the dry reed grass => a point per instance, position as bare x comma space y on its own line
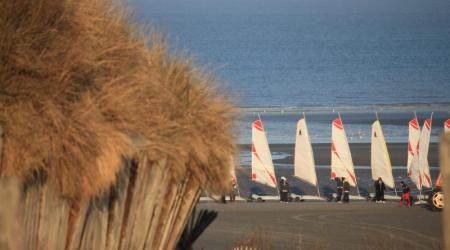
9, 211
257, 240
78, 80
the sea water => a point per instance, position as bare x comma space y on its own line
280, 58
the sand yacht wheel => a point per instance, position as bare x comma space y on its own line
436, 199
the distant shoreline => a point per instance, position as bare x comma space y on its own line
400, 107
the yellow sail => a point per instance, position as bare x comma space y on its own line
379, 158
304, 165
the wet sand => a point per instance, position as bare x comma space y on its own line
323, 225
360, 153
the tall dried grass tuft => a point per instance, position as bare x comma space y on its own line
78, 79
257, 240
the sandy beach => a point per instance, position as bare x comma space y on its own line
323, 225
361, 159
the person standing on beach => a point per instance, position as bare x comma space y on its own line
379, 191
233, 192
346, 185
284, 190
339, 188
406, 196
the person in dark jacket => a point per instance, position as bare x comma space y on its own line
406, 194
379, 190
346, 187
284, 190
339, 187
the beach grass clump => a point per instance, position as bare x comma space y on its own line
79, 81
259, 239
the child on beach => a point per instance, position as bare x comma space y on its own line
406, 198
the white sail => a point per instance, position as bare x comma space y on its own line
379, 158
413, 140
424, 144
304, 166
262, 165
341, 158
447, 126
415, 173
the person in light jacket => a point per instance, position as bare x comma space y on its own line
284, 190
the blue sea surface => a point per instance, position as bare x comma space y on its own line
279, 58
